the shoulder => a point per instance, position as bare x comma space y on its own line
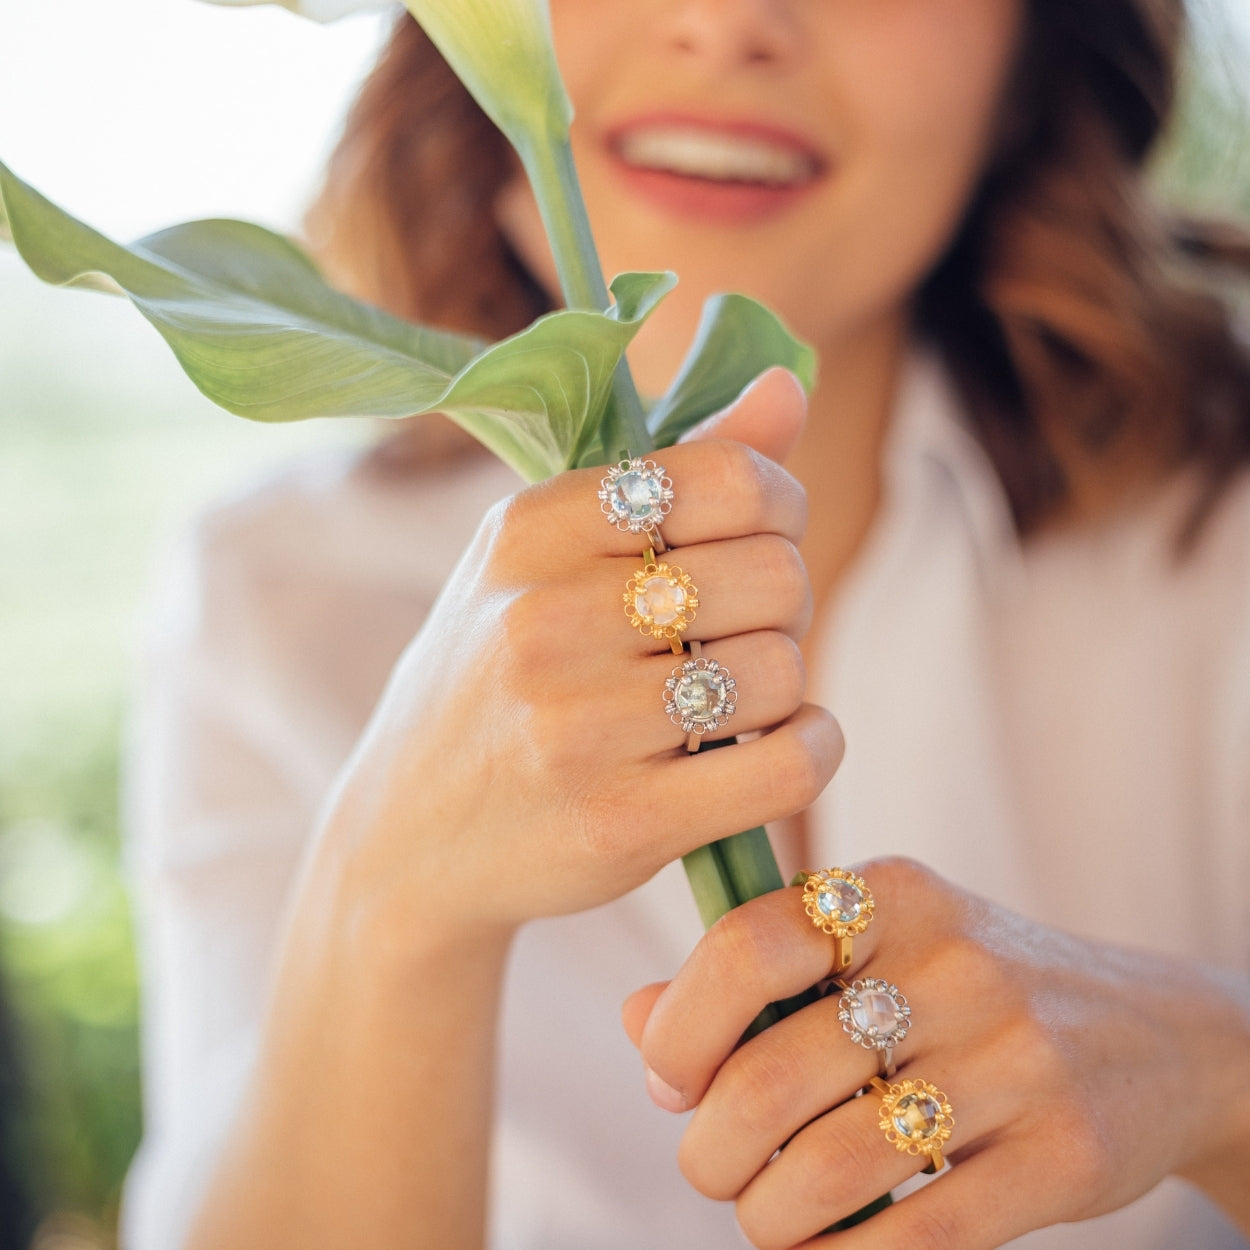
346, 515
323, 562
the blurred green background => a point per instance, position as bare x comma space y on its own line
106, 452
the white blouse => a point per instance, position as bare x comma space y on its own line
1064, 727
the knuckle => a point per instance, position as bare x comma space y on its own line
1035, 1053
524, 635
786, 672
733, 470
935, 1226
696, 1165
1081, 1151
796, 777
779, 566
763, 1093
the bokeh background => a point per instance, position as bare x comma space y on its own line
134, 114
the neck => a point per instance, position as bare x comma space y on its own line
838, 457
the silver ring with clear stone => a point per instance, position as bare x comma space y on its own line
636, 496
876, 1016
700, 696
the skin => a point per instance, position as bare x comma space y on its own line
898, 97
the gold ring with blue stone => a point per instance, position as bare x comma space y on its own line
916, 1118
841, 905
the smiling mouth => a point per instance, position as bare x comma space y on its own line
719, 156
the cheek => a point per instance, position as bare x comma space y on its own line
926, 115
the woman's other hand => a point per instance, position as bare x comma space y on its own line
1079, 1074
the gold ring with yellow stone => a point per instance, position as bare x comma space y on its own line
841, 905
916, 1118
660, 601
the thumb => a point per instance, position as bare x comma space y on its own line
768, 415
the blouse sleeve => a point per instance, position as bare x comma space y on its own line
271, 638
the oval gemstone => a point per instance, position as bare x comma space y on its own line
916, 1116
873, 1012
700, 696
840, 901
635, 496
660, 600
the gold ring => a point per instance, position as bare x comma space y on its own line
660, 600
916, 1118
841, 905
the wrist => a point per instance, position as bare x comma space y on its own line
1219, 1161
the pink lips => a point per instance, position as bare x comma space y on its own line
724, 172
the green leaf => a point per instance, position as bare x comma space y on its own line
738, 338
261, 333
540, 395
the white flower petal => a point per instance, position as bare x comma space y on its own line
318, 10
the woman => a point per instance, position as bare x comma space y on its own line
1008, 547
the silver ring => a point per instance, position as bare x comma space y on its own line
636, 495
700, 696
876, 1016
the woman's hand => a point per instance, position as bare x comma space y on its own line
1079, 1074
521, 762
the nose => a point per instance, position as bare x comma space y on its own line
729, 34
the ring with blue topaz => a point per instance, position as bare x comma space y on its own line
660, 601
916, 1118
636, 496
841, 905
876, 1016
700, 696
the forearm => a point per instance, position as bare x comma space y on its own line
368, 1120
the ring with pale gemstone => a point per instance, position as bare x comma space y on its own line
699, 696
841, 905
660, 601
636, 496
876, 1016
915, 1118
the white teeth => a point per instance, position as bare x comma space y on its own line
715, 155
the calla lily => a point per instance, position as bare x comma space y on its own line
318, 10
501, 50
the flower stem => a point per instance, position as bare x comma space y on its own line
553, 176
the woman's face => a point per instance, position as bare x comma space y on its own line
815, 154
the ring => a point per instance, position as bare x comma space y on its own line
636, 496
839, 904
660, 600
699, 696
876, 1016
916, 1118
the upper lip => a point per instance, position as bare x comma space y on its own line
730, 148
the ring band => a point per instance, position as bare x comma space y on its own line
841, 905
916, 1119
660, 601
699, 696
876, 1016
636, 496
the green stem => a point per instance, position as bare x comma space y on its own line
553, 176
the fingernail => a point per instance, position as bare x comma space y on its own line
664, 1095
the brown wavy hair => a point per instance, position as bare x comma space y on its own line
1080, 322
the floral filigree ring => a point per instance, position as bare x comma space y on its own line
840, 904
700, 696
915, 1118
660, 601
876, 1016
636, 495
